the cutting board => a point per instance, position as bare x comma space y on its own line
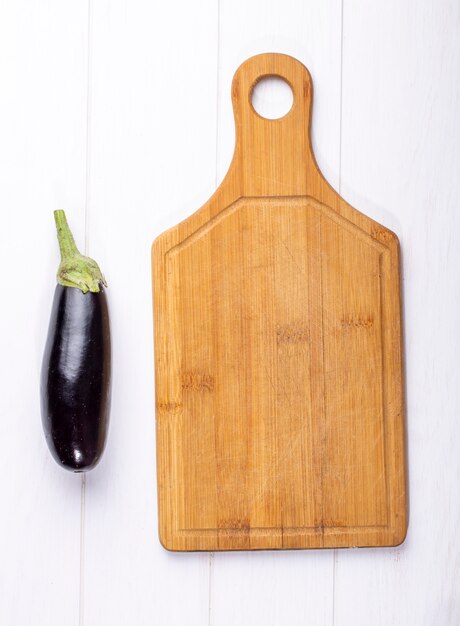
278, 360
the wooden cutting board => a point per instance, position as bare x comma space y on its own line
279, 396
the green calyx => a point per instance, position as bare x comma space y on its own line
75, 270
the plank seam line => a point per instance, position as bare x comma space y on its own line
88, 126
211, 554
335, 554
81, 593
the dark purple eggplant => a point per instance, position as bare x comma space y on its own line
76, 370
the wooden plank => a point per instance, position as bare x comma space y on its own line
266, 587
400, 158
43, 66
152, 160
272, 588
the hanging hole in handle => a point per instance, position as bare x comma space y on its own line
272, 97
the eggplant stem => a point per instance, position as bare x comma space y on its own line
75, 269
66, 241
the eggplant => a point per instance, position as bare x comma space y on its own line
76, 370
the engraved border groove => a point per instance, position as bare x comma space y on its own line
382, 248
287, 201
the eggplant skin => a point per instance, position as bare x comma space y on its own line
76, 378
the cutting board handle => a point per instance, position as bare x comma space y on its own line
264, 146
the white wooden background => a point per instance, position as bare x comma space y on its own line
119, 112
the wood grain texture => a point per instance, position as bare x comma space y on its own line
278, 352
